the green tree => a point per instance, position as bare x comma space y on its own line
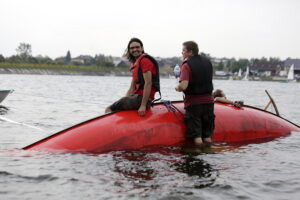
264, 59
274, 59
32, 59
243, 63
24, 51
68, 57
205, 54
44, 60
175, 60
14, 59
236, 65
2, 59
104, 61
219, 66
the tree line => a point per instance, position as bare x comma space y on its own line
24, 55
233, 65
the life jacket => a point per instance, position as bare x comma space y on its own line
137, 74
202, 72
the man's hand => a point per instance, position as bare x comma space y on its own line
182, 86
142, 110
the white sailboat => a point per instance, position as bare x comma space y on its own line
291, 77
240, 73
246, 77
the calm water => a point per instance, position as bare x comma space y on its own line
43, 105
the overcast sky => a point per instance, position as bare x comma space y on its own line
222, 28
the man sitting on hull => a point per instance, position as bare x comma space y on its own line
144, 83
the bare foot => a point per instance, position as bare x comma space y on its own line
207, 141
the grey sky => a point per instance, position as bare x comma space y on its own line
229, 28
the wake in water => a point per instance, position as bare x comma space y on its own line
3, 110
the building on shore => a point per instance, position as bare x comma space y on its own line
296, 62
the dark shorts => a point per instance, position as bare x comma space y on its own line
132, 102
200, 121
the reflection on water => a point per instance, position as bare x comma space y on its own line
134, 165
142, 167
204, 175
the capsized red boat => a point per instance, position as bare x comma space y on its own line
163, 126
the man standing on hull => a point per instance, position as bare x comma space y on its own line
144, 83
196, 83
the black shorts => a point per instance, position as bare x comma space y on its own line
132, 102
200, 121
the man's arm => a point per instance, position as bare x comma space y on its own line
131, 88
182, 86
222, 100
184, 78
146, 93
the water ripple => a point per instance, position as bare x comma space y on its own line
267, 170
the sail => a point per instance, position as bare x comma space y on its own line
291, 73
246, 78
240, 73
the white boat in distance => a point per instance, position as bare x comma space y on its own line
246, 77
291, 76
4, 93
240, 73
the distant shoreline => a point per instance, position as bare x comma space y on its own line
70, 70
62, 72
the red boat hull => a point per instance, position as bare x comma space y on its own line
162, 127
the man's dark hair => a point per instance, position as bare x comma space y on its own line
217, 93
127, 53
192, 46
